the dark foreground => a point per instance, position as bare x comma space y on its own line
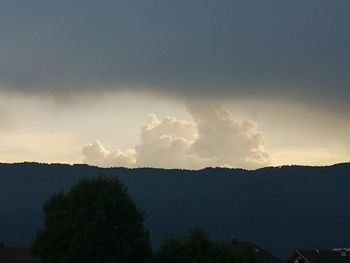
280, 209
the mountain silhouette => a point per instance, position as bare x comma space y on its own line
279, 208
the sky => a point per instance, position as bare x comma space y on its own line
175, 84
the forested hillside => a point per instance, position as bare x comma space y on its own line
280, 209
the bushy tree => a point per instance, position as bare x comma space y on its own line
197, 248
96, 221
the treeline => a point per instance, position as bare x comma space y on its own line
97, 221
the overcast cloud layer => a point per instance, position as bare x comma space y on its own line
283, 64
213, 139
262, 49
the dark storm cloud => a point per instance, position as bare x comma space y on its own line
185, 48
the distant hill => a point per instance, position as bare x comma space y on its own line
279, 209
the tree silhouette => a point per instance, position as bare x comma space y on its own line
199, 248
96, 221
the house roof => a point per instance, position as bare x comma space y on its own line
17, 255
322, 256
260, 255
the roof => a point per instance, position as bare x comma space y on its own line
260, 255
17, 255
322, 256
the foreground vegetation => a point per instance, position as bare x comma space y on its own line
97, 221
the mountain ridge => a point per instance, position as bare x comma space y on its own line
279, 208
177, 169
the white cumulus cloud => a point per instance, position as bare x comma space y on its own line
95, 153
213, 138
